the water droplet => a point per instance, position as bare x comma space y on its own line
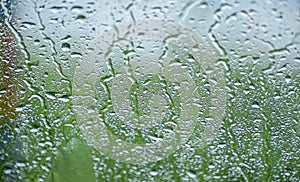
153, 173
65, 47
191, 174
76, 55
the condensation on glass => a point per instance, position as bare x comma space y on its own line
173, 90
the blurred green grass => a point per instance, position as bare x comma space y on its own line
258, 141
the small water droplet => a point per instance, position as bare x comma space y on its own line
255, 105
76, 8
191, 174
80, 18
76, 55
65, 47
211, 166
57, 9
153, 173
203, 5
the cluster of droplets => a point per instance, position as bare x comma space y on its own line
256, 44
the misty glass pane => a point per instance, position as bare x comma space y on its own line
120, 90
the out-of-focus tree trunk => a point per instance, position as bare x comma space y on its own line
8, 78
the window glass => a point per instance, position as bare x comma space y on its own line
120, 90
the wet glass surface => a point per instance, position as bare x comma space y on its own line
149, 90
